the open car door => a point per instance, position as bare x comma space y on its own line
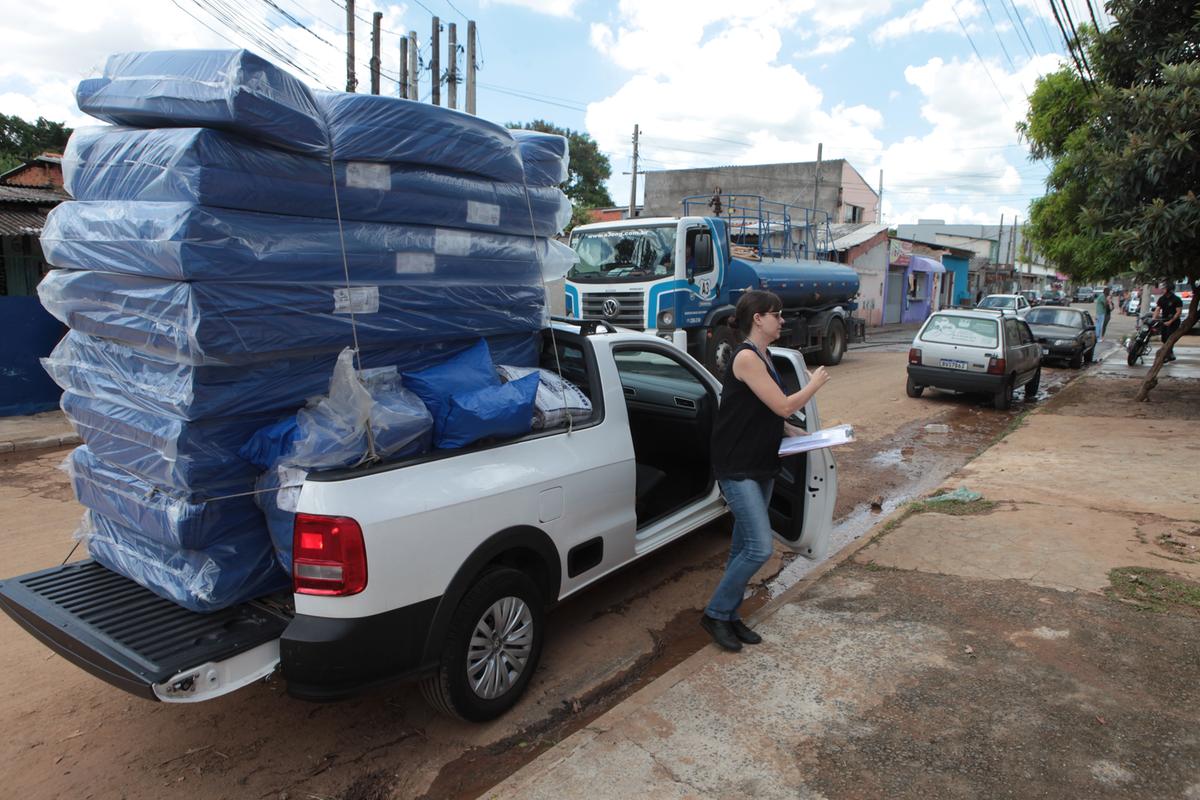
806, 488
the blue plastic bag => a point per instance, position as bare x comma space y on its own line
492, 411
469, 370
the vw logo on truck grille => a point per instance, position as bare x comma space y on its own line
610, 308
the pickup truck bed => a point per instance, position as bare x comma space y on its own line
127, 635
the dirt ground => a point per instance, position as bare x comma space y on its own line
71, 735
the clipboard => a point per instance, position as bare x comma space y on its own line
829, 437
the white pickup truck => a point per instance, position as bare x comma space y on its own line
443, 567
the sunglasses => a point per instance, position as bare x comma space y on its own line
776, 314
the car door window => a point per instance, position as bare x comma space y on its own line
1026, 334
1012, 334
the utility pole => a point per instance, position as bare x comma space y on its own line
404, 67
633, 177
452, 74
413, 82
879, 209
351, 83
376, 20
470, 66
435, 71
817, 182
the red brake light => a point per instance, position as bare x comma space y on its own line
995, 366
328, 556
914, 355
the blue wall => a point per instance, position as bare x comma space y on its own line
958, 266
29, 333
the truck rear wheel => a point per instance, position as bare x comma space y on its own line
720, 349
833, 346
492, 648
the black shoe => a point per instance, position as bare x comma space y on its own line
721, 632
744, 633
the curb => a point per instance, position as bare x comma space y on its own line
41, 443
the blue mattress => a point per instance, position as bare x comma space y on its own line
183, 241
232, 90
240, 568
115, 372
220, 322
213, 168
545, 157
178, 520
198, 457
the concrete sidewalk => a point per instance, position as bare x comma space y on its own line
1040, 643
36, 432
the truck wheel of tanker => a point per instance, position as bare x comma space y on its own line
720, 349
492, 648
833, 346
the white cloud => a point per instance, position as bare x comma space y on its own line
828, 46
553, 8
932, 15
41, 64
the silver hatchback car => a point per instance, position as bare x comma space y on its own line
979, 351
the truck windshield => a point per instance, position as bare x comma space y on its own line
624, 254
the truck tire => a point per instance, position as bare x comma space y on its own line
492, 648
833, 346
720, 349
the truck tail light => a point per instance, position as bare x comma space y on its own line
914, 355
996, 366
328, 556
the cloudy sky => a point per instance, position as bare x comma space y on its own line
928, 91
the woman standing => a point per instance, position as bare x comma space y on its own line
745, 456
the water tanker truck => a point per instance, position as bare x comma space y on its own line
679, 278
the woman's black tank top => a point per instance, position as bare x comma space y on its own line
745, 440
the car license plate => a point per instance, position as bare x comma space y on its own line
1045, 351
951, 363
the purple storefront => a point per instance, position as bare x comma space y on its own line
911, 286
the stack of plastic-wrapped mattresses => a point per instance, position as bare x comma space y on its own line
228, 239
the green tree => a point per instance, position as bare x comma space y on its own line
21, 140
1124, 144
589, 169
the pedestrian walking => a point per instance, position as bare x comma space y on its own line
1102, 306
745, 456
1169, 308
1108, 302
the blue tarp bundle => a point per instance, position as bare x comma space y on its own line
214, 263
117, 372
213, 168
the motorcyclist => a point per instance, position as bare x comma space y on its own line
1168, 309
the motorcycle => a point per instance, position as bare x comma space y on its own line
1138, 345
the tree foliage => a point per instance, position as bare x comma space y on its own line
1124, 143
589, 169
21, 140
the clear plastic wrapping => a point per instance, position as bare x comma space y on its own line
219, 322
232, 90
218, 169
234, 570
178, 520
116, 372
545, 157
183, 241
558, 400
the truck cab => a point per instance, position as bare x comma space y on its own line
679, 278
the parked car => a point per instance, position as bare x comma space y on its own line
1084, 294
441, 567
1065, 334
1033, 296
981, 351
1010, 304
1054, 297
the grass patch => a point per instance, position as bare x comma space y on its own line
1153, 590
955, 508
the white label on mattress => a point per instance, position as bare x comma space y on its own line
482, 213
365, 175
356, 300
415, 263
452, 243
376, 373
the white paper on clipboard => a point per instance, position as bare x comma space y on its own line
830, 437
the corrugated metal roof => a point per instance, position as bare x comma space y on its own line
22, 194
20, 223
848, 235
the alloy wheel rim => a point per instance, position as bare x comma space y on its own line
500, 647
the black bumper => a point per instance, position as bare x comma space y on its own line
956, 380
325, 658
1064, 352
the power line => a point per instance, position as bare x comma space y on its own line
996, 30
1014, 18
982, 63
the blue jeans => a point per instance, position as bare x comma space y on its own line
1100, 325
752, 544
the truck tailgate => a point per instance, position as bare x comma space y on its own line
127, 635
